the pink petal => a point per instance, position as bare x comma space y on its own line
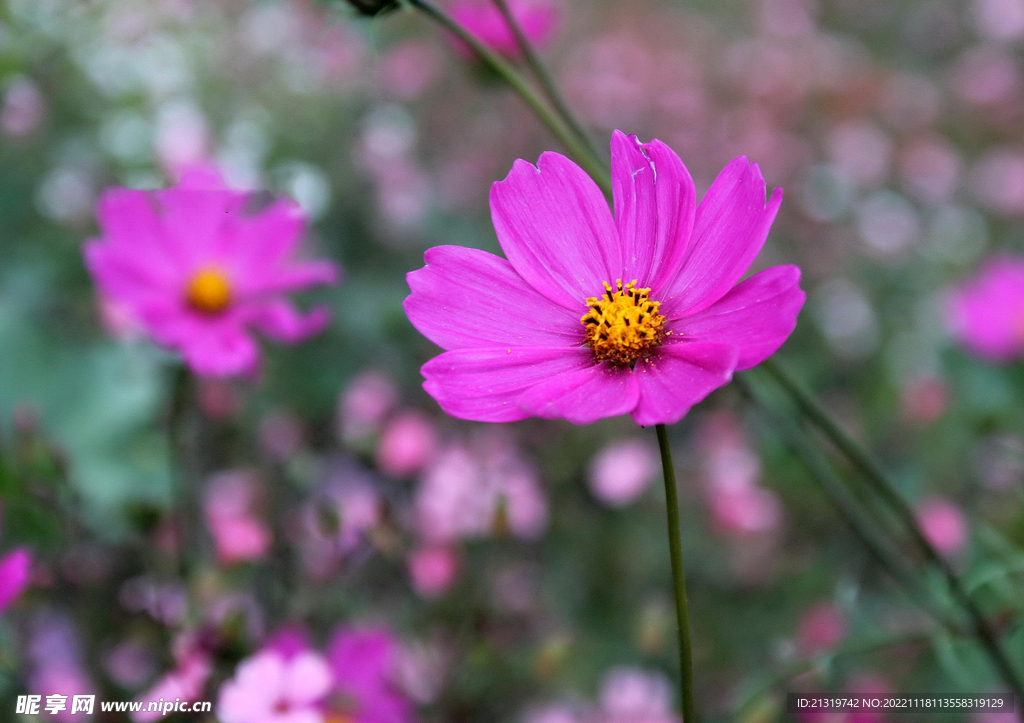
130, 276
731, 225
307, 678
484, 385
129, 220
756, 317
15, 572
465, 298
266, 239
679, 376
200, 221
282, 322
220, 351
556, 229
294, 277
583, 396
655, 203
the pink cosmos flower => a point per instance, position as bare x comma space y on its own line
268, 688
15, 572
987, 313
364, 664
622, 471
537, 18
200, 271
943, 524
593, 316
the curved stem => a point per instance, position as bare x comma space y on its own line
879, 481
547, 82
507, 73
675, 546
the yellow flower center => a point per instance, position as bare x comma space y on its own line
624, 324
209, 291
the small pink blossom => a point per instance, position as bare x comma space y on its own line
267, 688
433, 569
622, 471
22, 109
537, 18
943, 524
408, 443
15, 574
745, 510
239, 535
631, 695
201, 272
594, 315
821, 628
185, 682
364, 404
986, 314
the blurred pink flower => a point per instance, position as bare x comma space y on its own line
409, 69
924, 399
408, 443
267, 688
556, 332
200, 273
433, 569
364, 665
745, 510
537, 18
1000, 19
821, 628
229, 504
622, 471
474, 491
943, 524
986, 313
186, 682
22, 110
631, 695
997, 180
15, 574
365, 403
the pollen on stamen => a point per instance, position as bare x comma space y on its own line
209, 291
623, 325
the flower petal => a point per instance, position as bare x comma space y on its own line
200, 221
756, 317
655, 203
484, 385
220, 350
129, 220
293, 277
730, 227
465, 298
307, 678
679, 376
15, 572
585, 395
556, 229
282, 322
267, 238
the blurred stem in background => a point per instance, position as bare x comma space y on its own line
675, 547
579, 147
547, 82
185, 511
884, 488
576, 145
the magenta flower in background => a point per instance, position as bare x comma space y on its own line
15, 573
364, 664
986, 314
537, 18
944, 524
593, 316
201, 272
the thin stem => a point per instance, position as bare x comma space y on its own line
507, 73
547, 82
880, 483
857, 647
180, 469
675, 546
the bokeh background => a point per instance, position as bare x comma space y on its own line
521, 571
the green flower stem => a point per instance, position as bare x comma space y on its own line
185, 506
547, 81
871, 535
880, 483
577, 147
858, 647
675, 546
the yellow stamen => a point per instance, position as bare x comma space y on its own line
209, 291
624, 324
